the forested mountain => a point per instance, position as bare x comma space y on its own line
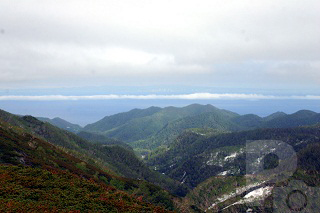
153, 127
121, 161
38, 176
198, 153
300, 118
216, 119
141, 124
274, 115
113, 121
101, 139
201, 157
62, 124
214, 165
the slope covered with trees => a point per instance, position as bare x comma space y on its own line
145, 123
148, 129
117, 159
27, 189
215, 165
201, 157
62, 124
46, 177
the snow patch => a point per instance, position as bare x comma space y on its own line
213, 160
237, 192
255, 195
224, 173
233, 155
184, 177
172, 165
258, 193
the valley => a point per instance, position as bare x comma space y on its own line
189, 159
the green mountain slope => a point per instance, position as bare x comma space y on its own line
48, 178
62, 124
226, 121
274, 115
230, 193
120, 160
27, 189
146, 124
99, 138
113, 121
194, 158
247, 121
300, 118
214, 166
217, 119
148, 129
195, 147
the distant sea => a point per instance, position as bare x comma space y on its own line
83, 112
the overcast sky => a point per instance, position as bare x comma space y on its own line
270, 44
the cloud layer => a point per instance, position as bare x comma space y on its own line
57, 43
193, 96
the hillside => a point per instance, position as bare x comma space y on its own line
233, 194
216, 119
119, 160
194, 158
62, 124
274, 115
113, 121
214, 166
148, 129
101, 139
45, 174
145, 123
199, 155
300, 118
27, 189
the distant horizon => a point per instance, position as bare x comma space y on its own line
190, 96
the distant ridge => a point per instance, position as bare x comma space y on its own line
299, 118
153, 127
274, 115
140, 124
63, 124
112, 121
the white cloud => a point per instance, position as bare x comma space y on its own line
85, 42
193, 96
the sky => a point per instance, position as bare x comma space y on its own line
191, 51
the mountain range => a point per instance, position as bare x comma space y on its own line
153, 127
63, 124
193, 160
